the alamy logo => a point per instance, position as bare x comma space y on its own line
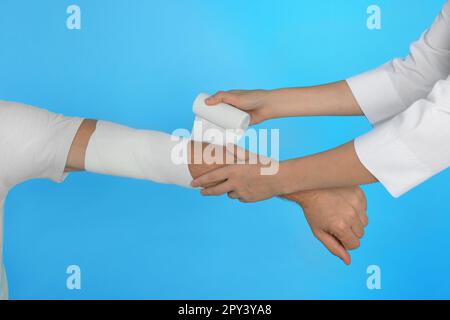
215, 153
73, 22
374, 19
374, 279
73, 281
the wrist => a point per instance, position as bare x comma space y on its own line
304, 199
272, 102
287, 102
289, 178
267, 105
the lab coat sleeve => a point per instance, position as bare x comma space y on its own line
408, 149
388, 90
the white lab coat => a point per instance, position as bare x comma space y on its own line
408, 102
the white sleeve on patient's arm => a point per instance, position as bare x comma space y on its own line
388, 90
413, 146
34, 143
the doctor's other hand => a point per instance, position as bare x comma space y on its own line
250, 178
337, 217
255, 102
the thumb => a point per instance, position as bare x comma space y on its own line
334, 246
222, 97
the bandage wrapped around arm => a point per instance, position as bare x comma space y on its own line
141, 154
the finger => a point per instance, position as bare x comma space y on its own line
361, 211
349, 240
218, 190
233, 195
211, 177
362, 206
357, 200
344, 233
363, 198
364, 218
358, 227
221, 97
213, 184
334, 246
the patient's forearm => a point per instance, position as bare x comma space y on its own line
329, 99
197, 164
76, 160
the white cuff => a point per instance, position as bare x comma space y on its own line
376, 94
384, 154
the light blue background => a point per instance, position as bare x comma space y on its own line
141, 63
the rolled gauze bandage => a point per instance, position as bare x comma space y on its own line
141, 154
219, 124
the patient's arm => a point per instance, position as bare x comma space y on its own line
337, 217
77, 153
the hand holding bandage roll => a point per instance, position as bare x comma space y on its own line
219, 124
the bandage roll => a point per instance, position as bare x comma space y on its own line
220, 124
141, 154
222, 115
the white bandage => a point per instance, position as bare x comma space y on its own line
220, 124
121, 151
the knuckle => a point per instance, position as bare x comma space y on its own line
244, 196
355, 202
366, 220
219, 94
356, 245
359, 193
340, 227
351, 213
316, 233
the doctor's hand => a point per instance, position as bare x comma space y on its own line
337, 217
251, 178
254, 102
